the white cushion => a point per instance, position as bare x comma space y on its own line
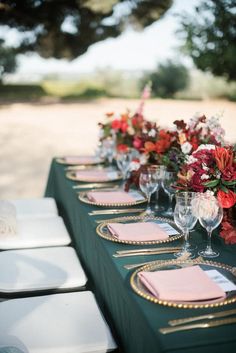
36, 233
40, 269
58, 323
42, 207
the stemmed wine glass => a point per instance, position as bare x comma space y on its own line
168, 182
123, 160
210, 215
160, 170
185, 218
109, 146
148, 182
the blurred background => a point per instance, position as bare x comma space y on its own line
65, 64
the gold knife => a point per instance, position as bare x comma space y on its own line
115, 211
209, 316
148, 250
157, 252
92, 185
208, 324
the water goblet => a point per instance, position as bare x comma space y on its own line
160, 170
109, 145
123, 160
168, 186
210, 215
185, 218
148, 182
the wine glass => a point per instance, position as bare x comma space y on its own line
123, 160
160, 170
109, 145
148, 182
168, 182
185, 218
210, 215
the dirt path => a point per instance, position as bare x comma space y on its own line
31, 134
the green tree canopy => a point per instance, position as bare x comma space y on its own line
168, 79
7, 60
210, 37
66, 28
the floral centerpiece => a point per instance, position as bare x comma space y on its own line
172, 147
213, 168
126, 128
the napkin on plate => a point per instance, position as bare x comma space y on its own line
96, 175
80, 159
110, 197
187, 284
8, 223
138, 231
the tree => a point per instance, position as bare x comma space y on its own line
210, 37
168, 79
66, 28
7, 60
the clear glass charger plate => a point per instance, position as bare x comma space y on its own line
84, 198
93, 161
103, 231
226, 270
72, 176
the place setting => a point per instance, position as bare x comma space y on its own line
80, 160
95, 175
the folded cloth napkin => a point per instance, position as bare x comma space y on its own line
8, 223
81, 159
110, 197
187, 284
96, 175
138, 231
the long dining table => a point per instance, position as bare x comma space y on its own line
134, 321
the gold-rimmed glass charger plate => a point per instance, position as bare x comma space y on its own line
225, 270
79, 160
83, 196
112, 176
103, 230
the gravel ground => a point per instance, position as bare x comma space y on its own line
32, 134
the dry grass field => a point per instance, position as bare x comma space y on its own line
32, 134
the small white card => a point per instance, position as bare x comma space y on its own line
168, 228
136, 195
221, 280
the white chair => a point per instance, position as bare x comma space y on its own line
36, 233
40, 269
41, 207
65, 323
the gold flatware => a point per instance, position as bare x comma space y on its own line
208, 324
148, 250
209, 316
146, 253
93, 185
132, 266
115, 211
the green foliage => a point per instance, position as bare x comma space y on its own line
210, 37
66, 28
21, 92
7, 60
168, 79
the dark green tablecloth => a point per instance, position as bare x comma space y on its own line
134, 320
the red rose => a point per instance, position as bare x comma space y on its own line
122, 147
149, 147
124, 126
116, 124
137, 143
228, 233
226, 199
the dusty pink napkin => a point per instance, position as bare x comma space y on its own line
110, 197
139, 231
80, 159
95, 175
186, 284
